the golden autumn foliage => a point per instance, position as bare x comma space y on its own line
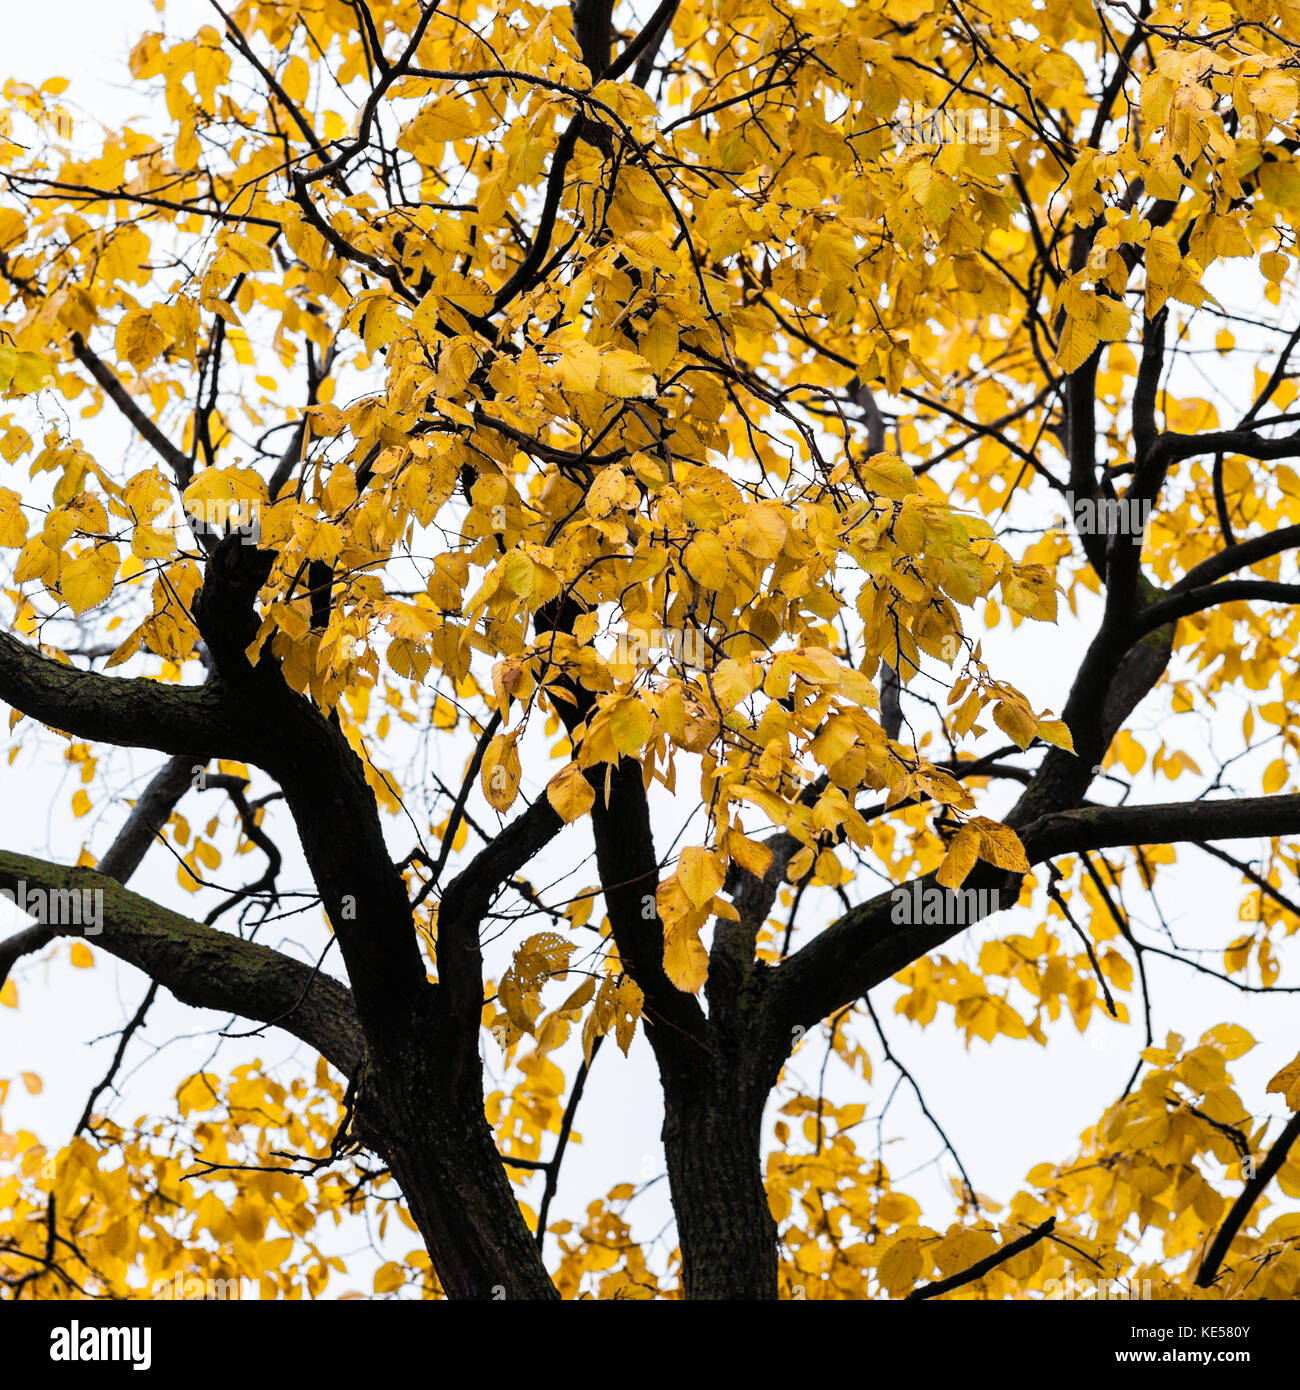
664, 412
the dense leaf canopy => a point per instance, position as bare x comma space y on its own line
661, 410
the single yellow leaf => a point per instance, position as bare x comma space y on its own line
686, 962
13, 524
900, 1267
630, 724
570, 794
700, 873
88, 580
500, 772
960, 859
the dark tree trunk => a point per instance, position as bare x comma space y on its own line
714, 1097
440, 1148
712, 1139
456, 1189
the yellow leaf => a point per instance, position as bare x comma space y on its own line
1000, 845
765, 533
529, 579
221, 494
1231, 1039
686, 962
1130, 752
1015, 721
630, 724
22, 372
1287, 1084
247, 254
82, 956
800, 864
500, 772
208, 855
627, 1004
202, 1091
296, 80
140, 338
701, 874
35, 561
88, 580
900, 1266
570, 794
1078, 342
439, 121
752, 856
889, 476
1054, 731
961, 857
579, 366
13, 524
706, 561
626, 374
613, 491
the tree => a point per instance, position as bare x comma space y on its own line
619, 398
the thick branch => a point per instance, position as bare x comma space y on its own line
646, 45
192, 721
1239, 557
629, 871
1172, 447
1100, 827
591, 25
203, 967
866, 946
1191, 601
325, 785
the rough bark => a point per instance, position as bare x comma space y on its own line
206, 968
442, 1152
712, 1138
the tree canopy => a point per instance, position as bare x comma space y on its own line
644, 417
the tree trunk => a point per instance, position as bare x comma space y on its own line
712, 1129
441, 1150
456, 1189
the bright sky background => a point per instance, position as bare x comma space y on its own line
1007, 1106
